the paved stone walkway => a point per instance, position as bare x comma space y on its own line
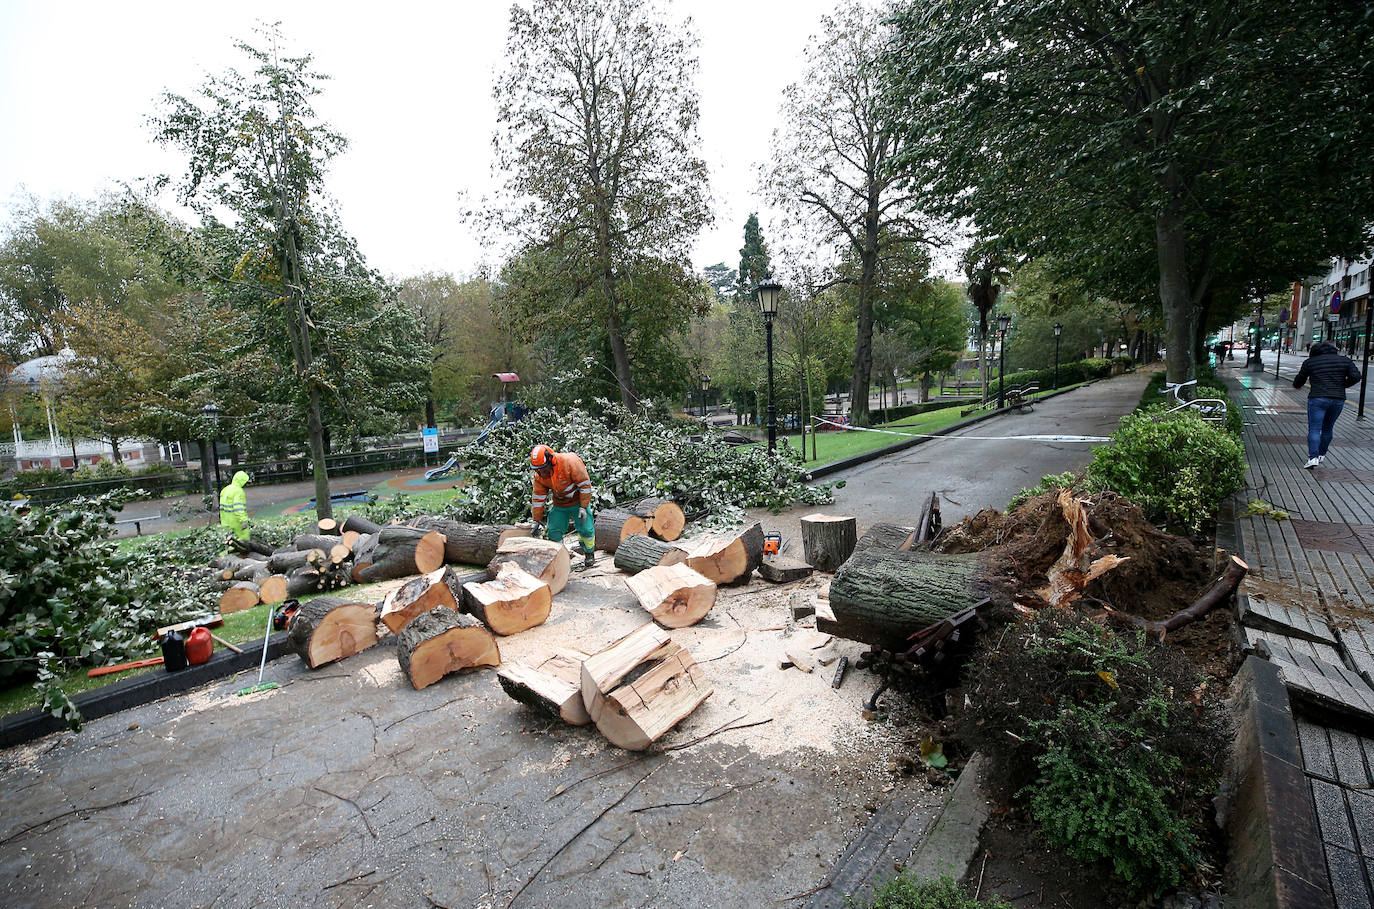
1308, 606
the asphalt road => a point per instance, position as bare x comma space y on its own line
344, 787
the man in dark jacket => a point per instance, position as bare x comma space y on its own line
1331, 374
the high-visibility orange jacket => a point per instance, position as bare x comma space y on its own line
567, 486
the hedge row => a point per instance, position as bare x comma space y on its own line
1069, 373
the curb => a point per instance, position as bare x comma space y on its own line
826, 470
28, 725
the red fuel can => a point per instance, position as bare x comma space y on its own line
199, 646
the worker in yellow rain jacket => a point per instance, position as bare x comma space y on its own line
563, 490
233, 506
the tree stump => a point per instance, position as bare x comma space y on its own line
827, 540
441, 641
512, 602
640, 551
663, 518
243, 595
675, 595
400, 552
886, 536
613, 526
634, 715
725, 559
782, 570
362, 525
327, 629
548, 561
468, 544
416, 597
551, 685
883, 596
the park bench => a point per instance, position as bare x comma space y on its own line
1020, 398
138, 522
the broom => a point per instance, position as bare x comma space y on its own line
260, 686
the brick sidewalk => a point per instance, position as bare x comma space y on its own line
1308, 607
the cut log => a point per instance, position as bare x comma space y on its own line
287, 562
350, 539
548, 561
327, 526
469, 544
886, 536
339, 553
666, 687
303, 581
363, 552
827, 540
233, 564
551, 685
320, 541
441, 641
252, 571
512, 602
782, 570
640, 551
613, 526
250, 547
326, 629
663, 518
243, 595
883, 596
361, 524
272, 589
401, 552
416, 597
726, 560
675, 595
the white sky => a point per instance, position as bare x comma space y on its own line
411, 91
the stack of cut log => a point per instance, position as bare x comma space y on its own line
676, 582
658, 518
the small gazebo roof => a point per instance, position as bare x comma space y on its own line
507, 377
42, 372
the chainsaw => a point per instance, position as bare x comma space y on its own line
772, 543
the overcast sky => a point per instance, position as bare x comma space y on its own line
411, 90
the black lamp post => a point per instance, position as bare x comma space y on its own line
705, 384
1058, 330
211, 413
1003, 323
769, 291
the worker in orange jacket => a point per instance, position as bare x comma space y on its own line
563, 491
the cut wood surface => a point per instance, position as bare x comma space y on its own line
883, 596
727, 560
327, 526
339, 553
613, 526
546, 560
827, 540
634, 715
401, 552
350, 538
416, 597
327, 629
664, 519
675, 595
469, 544
361, 524
886, 536
243, 595
551, 684
441, 641
782, 570
272, 589
640, 551
513, 601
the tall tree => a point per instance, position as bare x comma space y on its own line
1212, 145
598, 116
833, 166
257, 148
754, 261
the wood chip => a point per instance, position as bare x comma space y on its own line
801, 659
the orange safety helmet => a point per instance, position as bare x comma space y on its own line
541, 456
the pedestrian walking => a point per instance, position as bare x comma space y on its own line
1331, 374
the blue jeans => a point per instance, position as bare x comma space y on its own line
1321, 420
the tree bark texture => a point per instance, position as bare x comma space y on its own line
327, 629
400, 552
323, 542
613, 526
546, 560
287, 562
361, 524
886, 536
827, 540
468, 544
1175, 294
640, 551
441, 641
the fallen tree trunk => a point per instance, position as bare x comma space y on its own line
468, 544
243, 595
416, 597
548, 561
827, 540
634, 715
512, 602
441, 641
327, 629
551, 685
613, 526
400, 552
640, 551
249, 547
675, 595
883, 596
724, 559
230, 565
886, 536
323, 542
360, 524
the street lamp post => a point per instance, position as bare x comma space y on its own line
1058, 330
769, 291
1003, 323
705, 384
211, 413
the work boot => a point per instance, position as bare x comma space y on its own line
588, 556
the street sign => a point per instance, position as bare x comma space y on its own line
1336, 302
430, 436
1283, 314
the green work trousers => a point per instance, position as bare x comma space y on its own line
560, 517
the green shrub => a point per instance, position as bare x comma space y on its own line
1096, 367
1178, 469
906, 892
22, 482
1095, 731
1048, 482
102, 470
